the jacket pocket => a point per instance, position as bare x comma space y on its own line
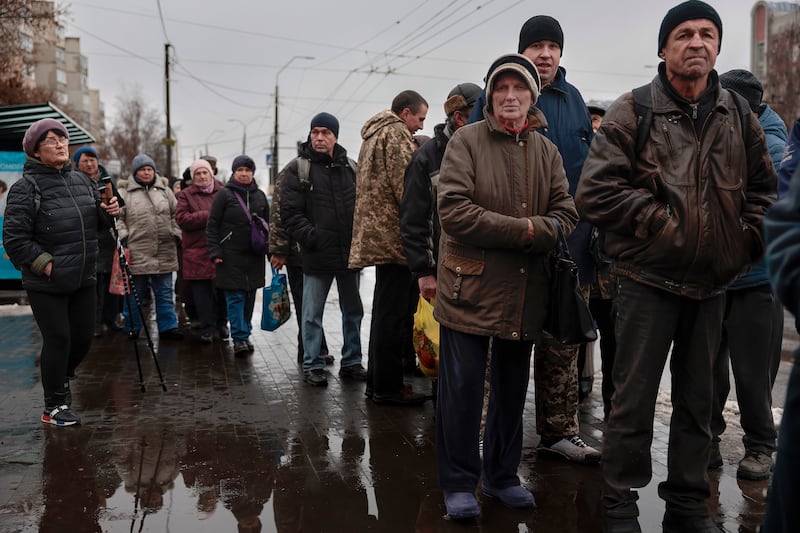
460, 279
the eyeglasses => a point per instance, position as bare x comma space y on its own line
52, 142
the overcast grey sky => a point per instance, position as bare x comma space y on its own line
366, 51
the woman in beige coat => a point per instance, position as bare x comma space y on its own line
147, 227
502, 194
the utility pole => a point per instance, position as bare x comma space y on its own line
168, 140
274, 172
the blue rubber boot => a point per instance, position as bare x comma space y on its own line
461, 505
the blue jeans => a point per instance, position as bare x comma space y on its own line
162, 293
240, 313
315, 292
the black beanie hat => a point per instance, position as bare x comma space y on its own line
326, 120
243, 161
743, 82
693, 9
540, 28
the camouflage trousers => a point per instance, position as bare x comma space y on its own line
555, 378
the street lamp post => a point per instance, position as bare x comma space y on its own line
275, 143
209, 137
244, 133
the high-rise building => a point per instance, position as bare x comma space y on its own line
775, 55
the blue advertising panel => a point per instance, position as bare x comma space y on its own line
11, 164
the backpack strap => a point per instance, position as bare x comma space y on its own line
37, 194
303, 172
744, 115
643, 107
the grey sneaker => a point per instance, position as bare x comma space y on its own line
755, 466
573, 449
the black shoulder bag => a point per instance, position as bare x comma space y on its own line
568, 320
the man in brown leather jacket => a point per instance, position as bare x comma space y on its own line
682, 219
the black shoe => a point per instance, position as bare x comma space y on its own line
207, 337
316, 378
621, 525
354, 372
223, 332
250, 346
688, 524
171, 334
133, 335
98, 331
113, 327
328, 358
240, 347
403, 397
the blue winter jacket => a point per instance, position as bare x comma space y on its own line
570, 129
776, 135
789, 161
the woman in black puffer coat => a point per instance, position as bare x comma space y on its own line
240, 270
50, 234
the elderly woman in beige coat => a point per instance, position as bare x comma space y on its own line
502, 195
147, 227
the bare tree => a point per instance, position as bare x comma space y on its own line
137, 128
21, 23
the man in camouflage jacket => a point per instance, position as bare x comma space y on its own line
385, 153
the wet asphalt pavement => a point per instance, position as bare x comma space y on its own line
242, 444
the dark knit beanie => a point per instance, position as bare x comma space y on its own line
691, 10
743, 82
519, 65
140, 161
326, 120
83, 150
540, 28
38, 131
243, 161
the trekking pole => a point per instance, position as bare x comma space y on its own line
130, 289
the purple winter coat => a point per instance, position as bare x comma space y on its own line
192, 217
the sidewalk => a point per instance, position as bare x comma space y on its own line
243, 442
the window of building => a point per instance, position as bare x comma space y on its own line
61, 76
59, 54
26, 42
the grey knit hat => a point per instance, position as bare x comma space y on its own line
142, 160
519, 65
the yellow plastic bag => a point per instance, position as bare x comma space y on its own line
426, 338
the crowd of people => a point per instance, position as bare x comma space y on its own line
663, 197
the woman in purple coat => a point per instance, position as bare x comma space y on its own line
194, 204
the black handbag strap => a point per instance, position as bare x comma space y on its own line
244, 207
562, 250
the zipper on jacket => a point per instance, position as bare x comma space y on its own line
668, 138
694, 110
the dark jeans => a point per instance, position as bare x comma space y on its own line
782, 513
603, 313
66, 322
108, 305
648, 321
752, 334
462, 370
393, 297
209, 303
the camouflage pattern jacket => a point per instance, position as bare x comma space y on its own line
382, 162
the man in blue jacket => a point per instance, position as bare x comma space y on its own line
541, 40
752, 330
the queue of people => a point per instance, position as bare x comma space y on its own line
668, 240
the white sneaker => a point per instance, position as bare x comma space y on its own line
573, 449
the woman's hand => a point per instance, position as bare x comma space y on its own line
217, 260
48, 268
277, 261
112, 207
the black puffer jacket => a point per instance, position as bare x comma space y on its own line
419, 217
229, 237
63, 229
320, 215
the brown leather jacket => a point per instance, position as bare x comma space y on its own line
492, 280
685, 214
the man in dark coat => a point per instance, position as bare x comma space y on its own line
317, 211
